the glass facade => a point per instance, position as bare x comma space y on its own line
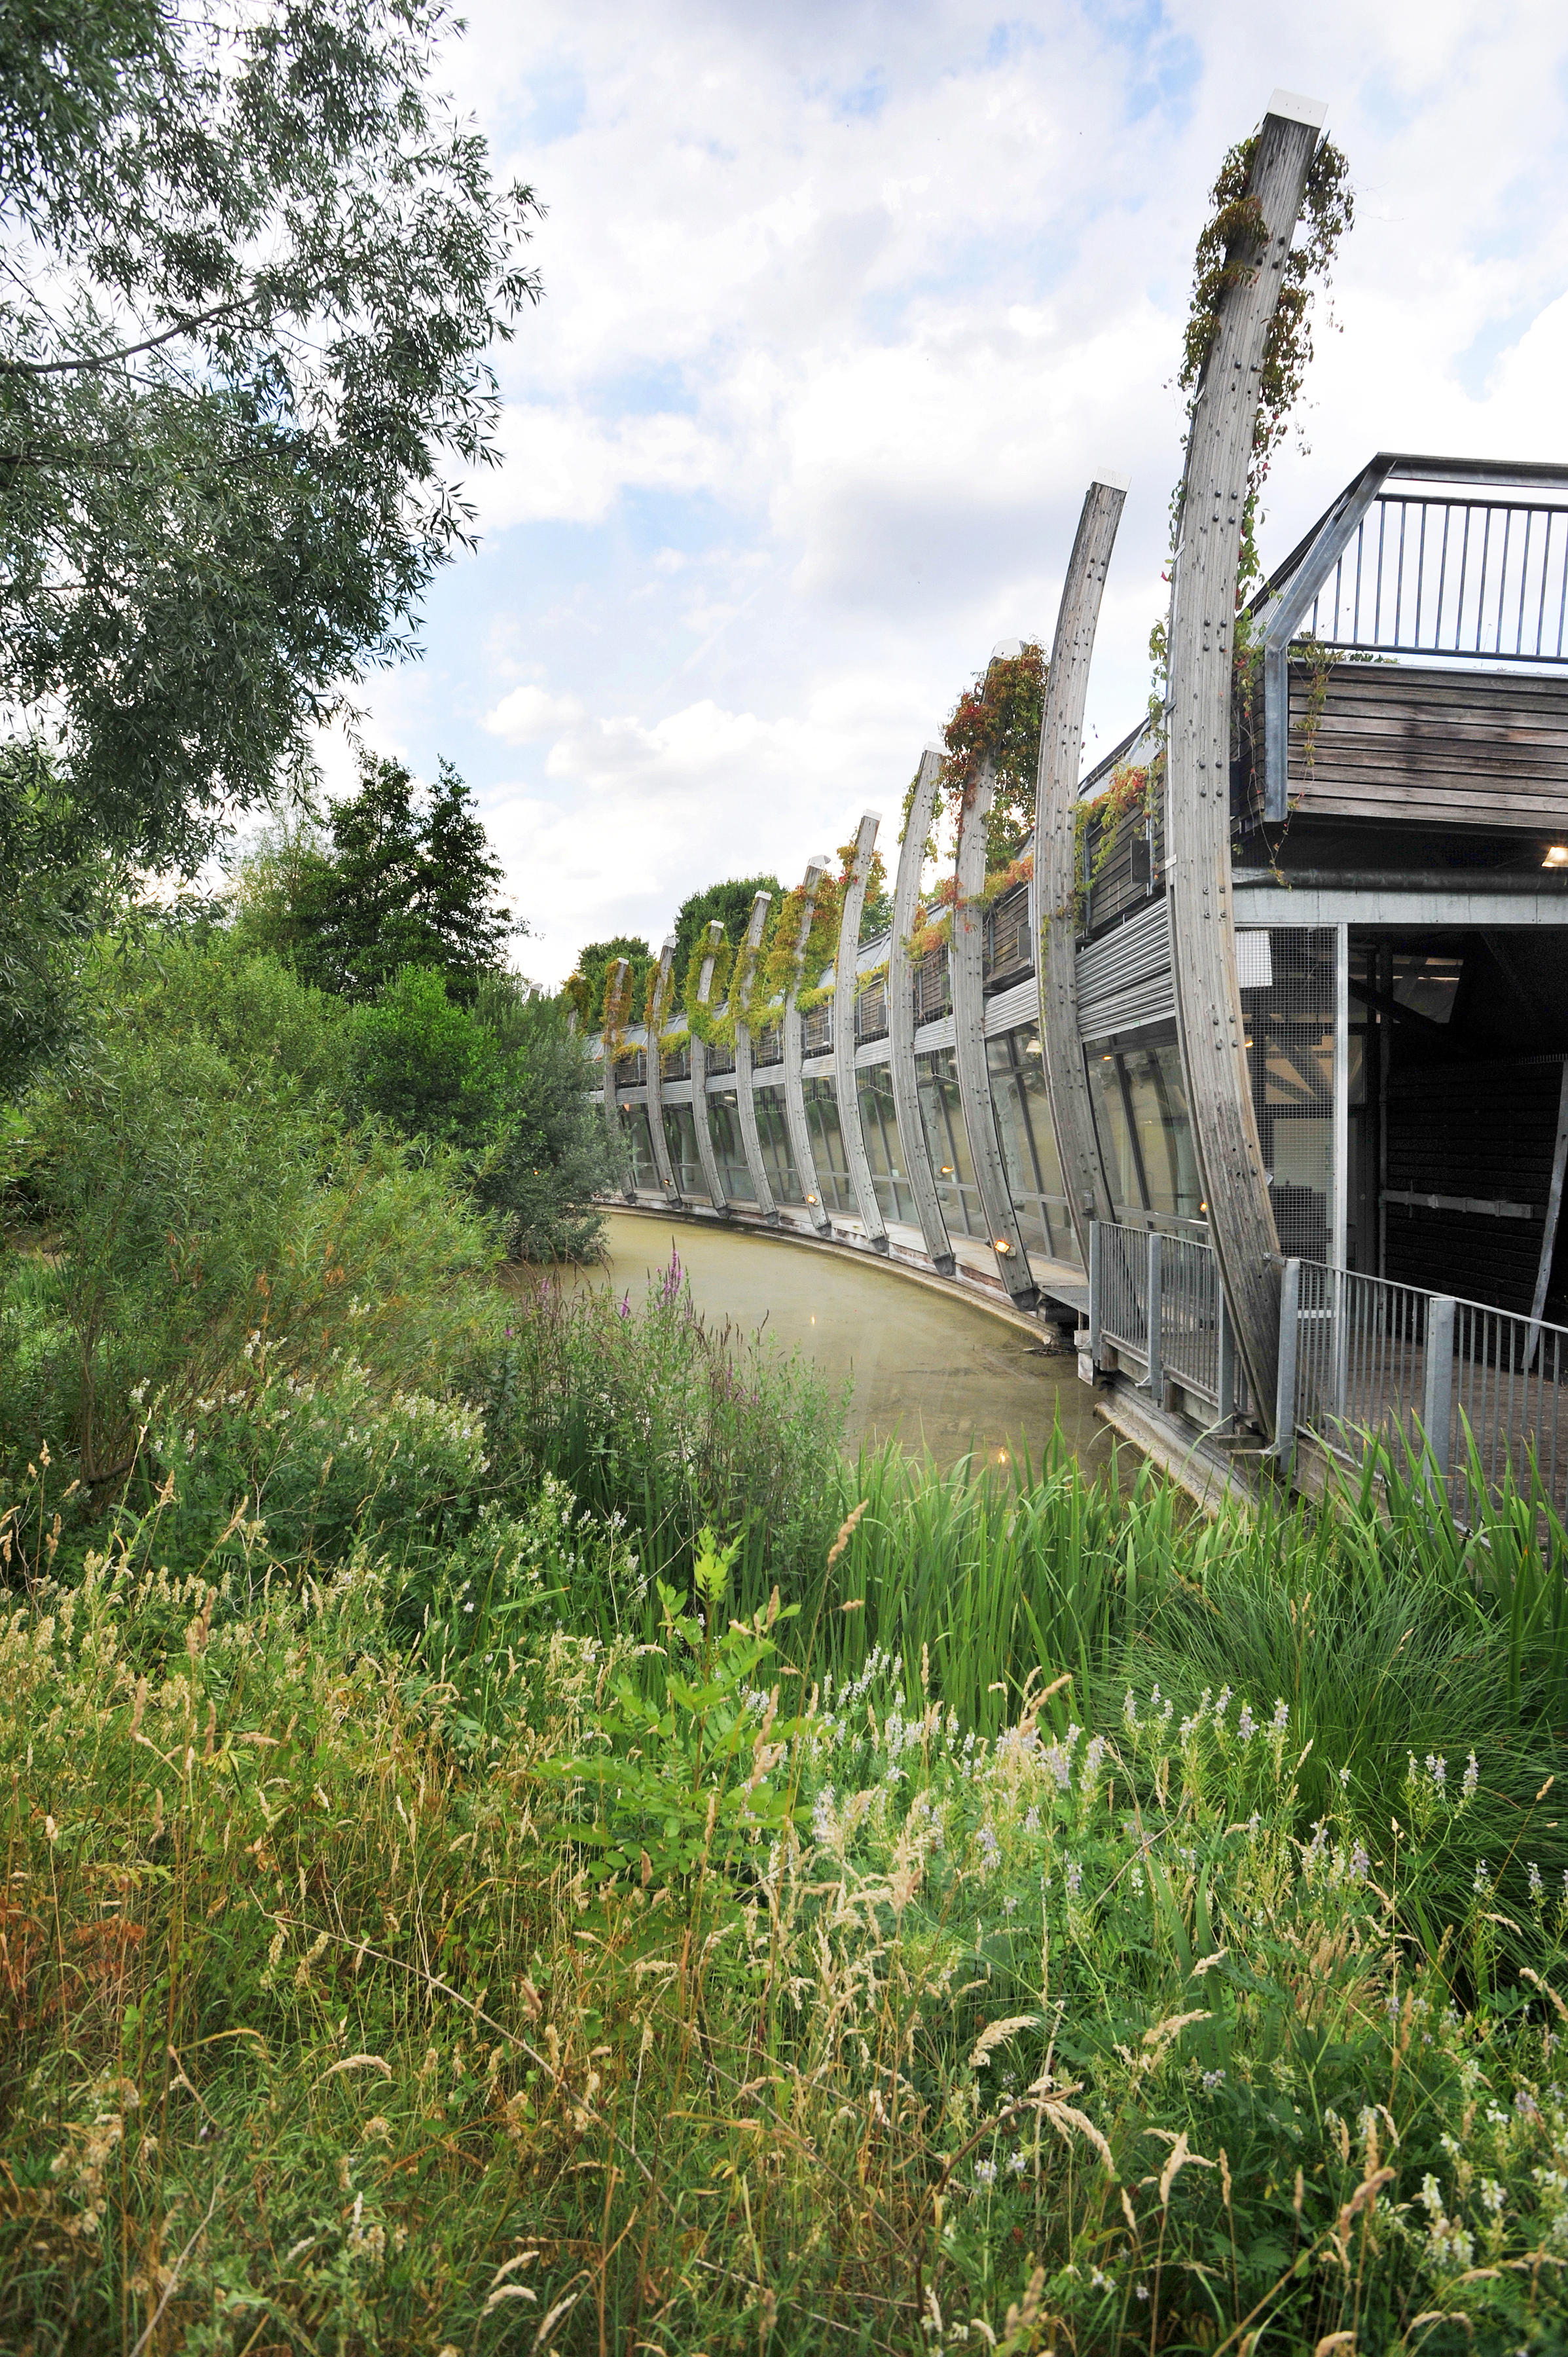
1029, 1144
947, 1142
724, 1126
638, 1142
681, 1135
773, 1135
1290, 1045
1145, 1136
879, 1127
827, 1147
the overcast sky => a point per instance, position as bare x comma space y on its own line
843, 306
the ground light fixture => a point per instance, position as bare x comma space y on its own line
1556, 855
1001, 1244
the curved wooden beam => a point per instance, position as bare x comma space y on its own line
912, 1142
615, 1015
794, 1049
662, 1162
1056, 858
845, 992
1197, 777
745, 1102
967, 965
706, 1153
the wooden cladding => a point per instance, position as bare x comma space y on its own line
1429, 747
1114, 881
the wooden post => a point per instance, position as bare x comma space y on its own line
1225, 1405
1197, 828
1056, 858
1284, 1371
1549, 1234
912, 1143
1437, 1405
1152, 1311
706, 1153
745, 1101
967, 965
614, 1012
794, 1045
662, 1162
845, 991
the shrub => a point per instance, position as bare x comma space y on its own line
197, 1190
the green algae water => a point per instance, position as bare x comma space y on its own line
927, 1369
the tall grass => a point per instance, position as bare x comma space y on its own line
616, 1874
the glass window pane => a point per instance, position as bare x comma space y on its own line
680, 1134
724, 1126
879, 1127
827, 1146
773, 1134
638, 1140
947, 1142
1115, 1132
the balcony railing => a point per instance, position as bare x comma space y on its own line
1362, 1359
1450, 577
1481, 1392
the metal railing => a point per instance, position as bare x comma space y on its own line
1158, 1299
932, 987
1450, 577
1009, 950
1363, 1359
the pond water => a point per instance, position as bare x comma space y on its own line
929, 1368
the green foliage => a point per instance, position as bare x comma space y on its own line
1227, 251
730, 902
373, 1961
257, 270
996, 723
550, 1159
191, 1169
585, 987
406, 879
676, 1426
427, 1066
58, 886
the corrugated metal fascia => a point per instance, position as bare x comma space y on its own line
1124, 979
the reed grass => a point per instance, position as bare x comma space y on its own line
608, 1872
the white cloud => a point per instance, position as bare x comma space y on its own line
531, 713
843, 309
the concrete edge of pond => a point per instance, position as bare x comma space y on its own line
949, 1288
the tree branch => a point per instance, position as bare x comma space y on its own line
110, 360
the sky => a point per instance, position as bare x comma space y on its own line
845, 305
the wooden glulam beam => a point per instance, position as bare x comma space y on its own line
1198, 778
912, 1140
745, 1102
1056, 858
845, 992
805, 1161
661, 1161
706, 1153
967, 960
615, 998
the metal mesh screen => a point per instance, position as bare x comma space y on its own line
1287, 998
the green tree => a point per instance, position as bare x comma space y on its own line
585, 989
506, 1083
551, 1156
253, 271
730, 902
402, 877
426, 1065
58, 886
